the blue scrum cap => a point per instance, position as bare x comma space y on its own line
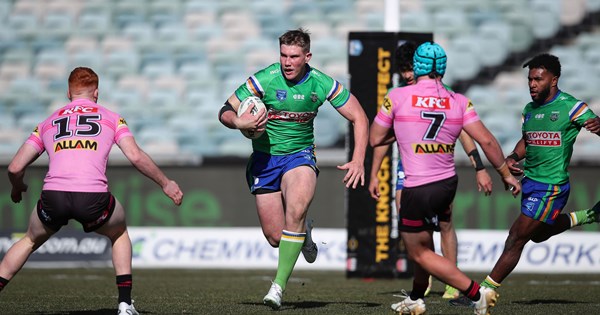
429, 57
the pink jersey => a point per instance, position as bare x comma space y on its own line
427, 120
78, 139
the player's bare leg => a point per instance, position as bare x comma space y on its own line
17, 255
449, 245
297, 187
271, 216
116, 230
519, 234
566, 221
419, 246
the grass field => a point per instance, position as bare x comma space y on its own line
93, 291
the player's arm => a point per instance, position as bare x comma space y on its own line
378, 155
592, 125
512, 160
26, 155
484, 181
143, 163
228, 116
354, 113
493, 152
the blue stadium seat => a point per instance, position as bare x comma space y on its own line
86, 58
464, 58
94, 23
416, 21
121, 62
24, 24
451, 23
494, 42
486, 99
213, 46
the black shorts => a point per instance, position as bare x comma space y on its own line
424, 206
91, 209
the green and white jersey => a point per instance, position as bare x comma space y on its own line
550, 131
291, 107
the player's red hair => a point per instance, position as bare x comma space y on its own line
82, 78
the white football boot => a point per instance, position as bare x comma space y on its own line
408, 306
273, 298
488, 299
127, 309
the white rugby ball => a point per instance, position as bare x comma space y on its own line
258, 105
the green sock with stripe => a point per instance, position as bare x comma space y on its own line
290, 247
490, 283
586, 216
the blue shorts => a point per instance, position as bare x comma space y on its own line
264, 171
543, 202
400, 176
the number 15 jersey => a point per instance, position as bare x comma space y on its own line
78, 139
427, 120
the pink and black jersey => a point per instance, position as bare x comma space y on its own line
427, 120
78, 139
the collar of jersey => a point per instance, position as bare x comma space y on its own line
553, 99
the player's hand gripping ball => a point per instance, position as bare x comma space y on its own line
258, 105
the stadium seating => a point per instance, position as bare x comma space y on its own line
205, 49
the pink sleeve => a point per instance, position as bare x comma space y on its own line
35, 140
122, 130
384, 115
470, 114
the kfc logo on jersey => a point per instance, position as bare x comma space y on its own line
430, 102
544, 138
78, 109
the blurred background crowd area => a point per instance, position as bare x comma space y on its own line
168, 65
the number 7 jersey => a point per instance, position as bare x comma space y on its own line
427, 120
78, 139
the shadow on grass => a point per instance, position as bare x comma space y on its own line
314, 304
396, 292
538, 301
102, 311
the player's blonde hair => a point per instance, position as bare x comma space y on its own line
298, 37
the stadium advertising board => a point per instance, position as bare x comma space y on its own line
374, 245
230, 248
570, 252
245, 248
66, 248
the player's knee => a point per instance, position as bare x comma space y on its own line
273, 242
539, 238
416, 256
34, 242
113, 232
273, 239
515, 241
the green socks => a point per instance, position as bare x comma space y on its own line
586, 216
582, 217
290, 247
490, 283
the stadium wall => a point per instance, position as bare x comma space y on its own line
217, 196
